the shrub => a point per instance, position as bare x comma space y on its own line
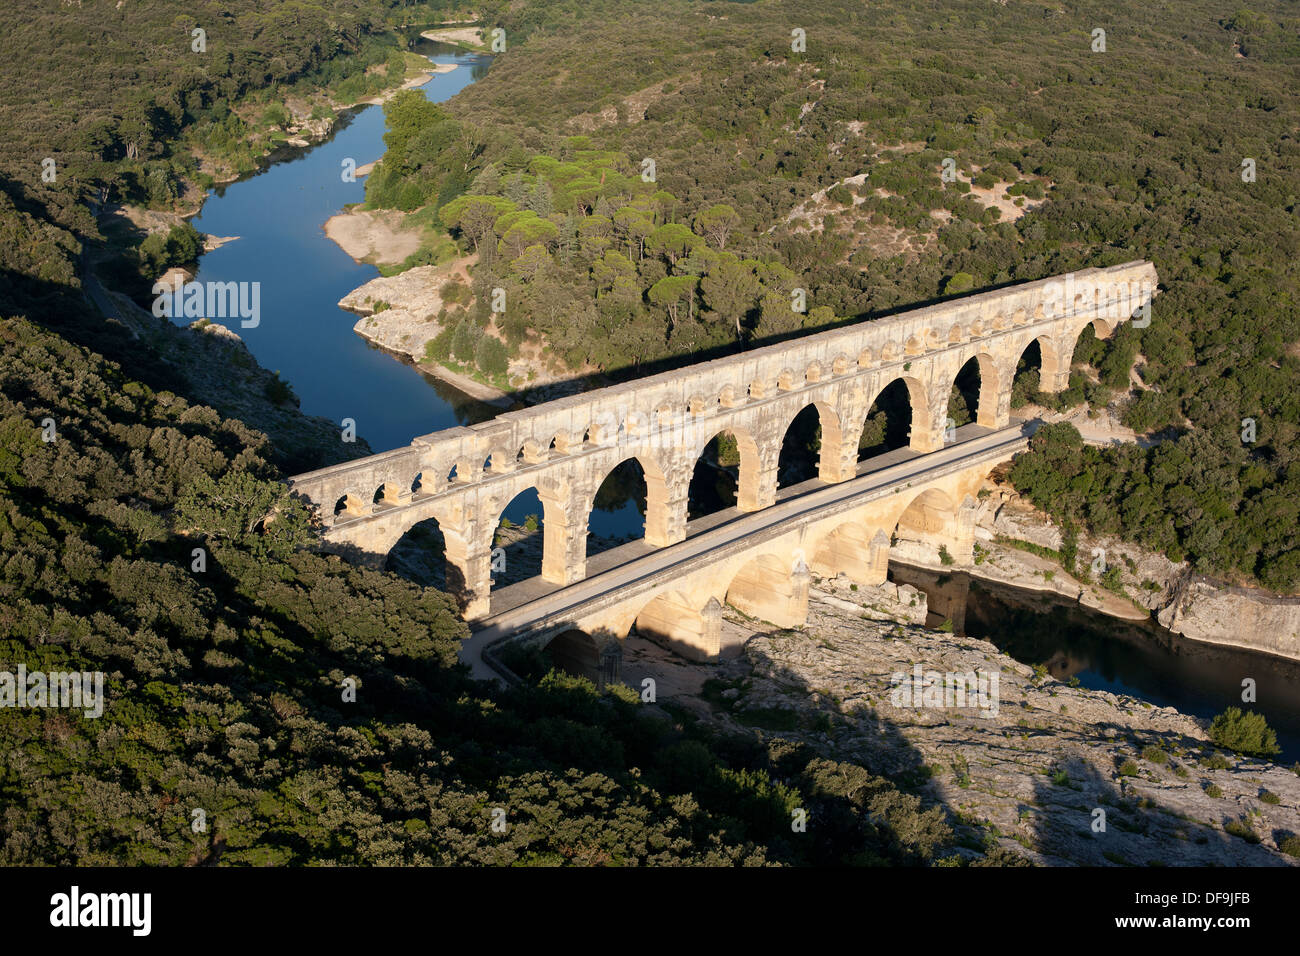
1128, 769
490, 356
1245, 732
1155, 755
1243, 829
1271, 798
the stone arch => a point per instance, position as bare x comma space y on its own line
522, 550
656, 508
987, 395
673, 620
347, 507
576, 652
1102, 328
854, 549
927, 516
386, 495
841, 364
1054, 366
420, 555
813, 373
798, 438
746, 478
913, 345
773, 589
866, 358
918, 406
954, 335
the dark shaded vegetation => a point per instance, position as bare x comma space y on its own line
538, 168
1204, 498
225, 686
226, 682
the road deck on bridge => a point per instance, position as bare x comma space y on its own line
627, 564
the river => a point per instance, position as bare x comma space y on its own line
1140, 659
279, 215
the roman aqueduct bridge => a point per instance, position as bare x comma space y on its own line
465, 476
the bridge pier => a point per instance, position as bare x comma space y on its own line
758, 484
469, 574
1055, 375
765, 589
855, 552
666, 507
670, 620
564, 543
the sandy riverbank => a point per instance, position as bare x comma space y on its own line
377, 236
461, 36
414, 82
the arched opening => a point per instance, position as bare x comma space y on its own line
924, 530
801, 449
1028, 377
964, 398
889, 421
417, 485
715, 482
347, 507
517, 545
1089, 349
386, 495
575, 652
618, 512
420, 555
772, 589
726, 459
674, 621
857, 550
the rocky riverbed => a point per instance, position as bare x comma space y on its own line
1038, 774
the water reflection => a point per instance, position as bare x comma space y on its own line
1141, 659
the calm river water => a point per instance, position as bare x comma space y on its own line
279, 214
1141, 659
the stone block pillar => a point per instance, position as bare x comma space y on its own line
666, 507
564, 542
469, 572
995, 401
1055, 375
769, 591
695, 635
962, 545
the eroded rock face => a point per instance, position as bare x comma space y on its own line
1243, 617
412, 301
1029, 775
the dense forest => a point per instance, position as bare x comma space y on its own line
669, 208
313, 711
146, 535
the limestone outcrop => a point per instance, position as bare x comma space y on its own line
1029, 775
399, 313
1204, 610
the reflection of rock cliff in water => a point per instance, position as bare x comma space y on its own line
1071, 640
